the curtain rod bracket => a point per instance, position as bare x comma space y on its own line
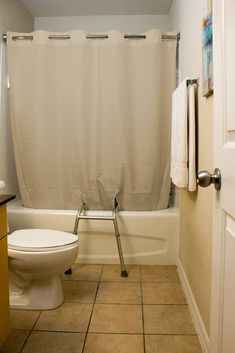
168, 36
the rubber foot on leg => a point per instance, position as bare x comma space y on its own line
68, 272
124, 274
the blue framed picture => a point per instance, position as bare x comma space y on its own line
207, 50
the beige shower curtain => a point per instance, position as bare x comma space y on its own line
91, 119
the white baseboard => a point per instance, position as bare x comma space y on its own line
199, 325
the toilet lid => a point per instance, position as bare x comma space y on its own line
39, 239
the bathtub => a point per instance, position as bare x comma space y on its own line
147, 237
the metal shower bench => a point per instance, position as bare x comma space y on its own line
81, 214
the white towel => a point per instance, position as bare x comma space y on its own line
192, 179
183, 171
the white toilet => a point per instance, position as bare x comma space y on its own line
37, 258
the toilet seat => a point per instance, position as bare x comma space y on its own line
36, 240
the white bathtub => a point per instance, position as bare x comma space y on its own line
147, 237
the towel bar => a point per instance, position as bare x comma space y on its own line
192, 81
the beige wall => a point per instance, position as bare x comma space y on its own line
13, 17
122, 23
196, 208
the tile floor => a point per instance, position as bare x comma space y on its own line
105, 313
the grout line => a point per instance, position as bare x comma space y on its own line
144, 282
79, 281
31, 330
166, 304
101, 272
109, 303
142, 308
117, 333
158, 282
118, 304
26, 340
171, 334
122, 281
94, 333
92, 310
116, 281
132, 304
37, 320
60, 331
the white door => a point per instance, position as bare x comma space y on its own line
222, 335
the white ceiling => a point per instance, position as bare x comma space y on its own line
41, 8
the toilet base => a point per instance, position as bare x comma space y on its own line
40, 294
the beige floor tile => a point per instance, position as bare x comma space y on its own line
159, 274
72, 317
79, 292
84, 272
163, 293
23, 319
168, 319
114, 343
108, 318
112, 273
119, 293
54, 342
15, 341
170, 344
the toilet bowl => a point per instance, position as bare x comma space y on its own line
37, 258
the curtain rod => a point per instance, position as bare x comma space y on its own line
93, 36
